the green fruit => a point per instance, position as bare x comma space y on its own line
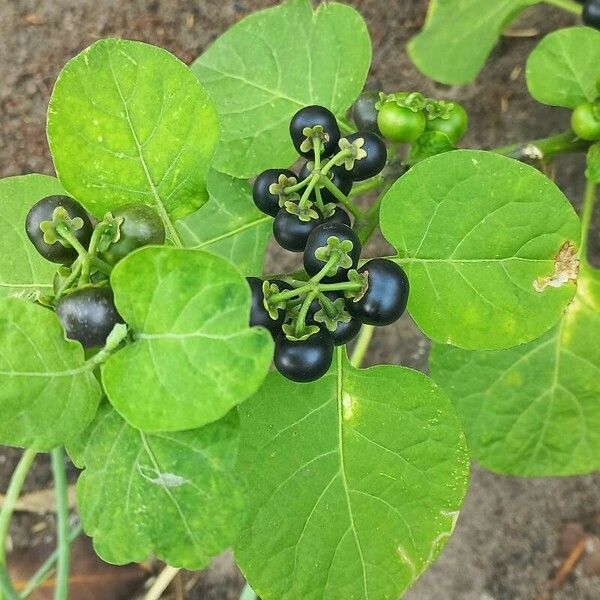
400, 123
585, 121
454, 123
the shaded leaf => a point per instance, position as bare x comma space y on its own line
489, 245
194, 356
22, 270
459, 35
48, 394
129, 122
563, 68
365, 473
265, 68
533, 410
229, 225
174, 495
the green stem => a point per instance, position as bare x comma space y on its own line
341, 197
367, 186
309, 188
589, 200
301, 318
334, 160
61, 586
544, 148
327, 304
48, 567
362, 345
568, 5
311, 285
369, 223
248, 593
12, 495
319, 199
101, 265
84, 255
298, 186
75, 270
334, 261
345, 125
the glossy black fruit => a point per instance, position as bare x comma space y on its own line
386, 296
88, 315
591, 13
373, 163
141, 226
259, 317
305, 360
291, 232
344, 332
337, 175
364, 112
318, 239
311, 116
265, 201
339, 216
43, 210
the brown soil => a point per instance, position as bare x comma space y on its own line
505, 544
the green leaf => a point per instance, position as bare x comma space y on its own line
592, 171
129, 122
489, 245
357, 480
172, 495
563, 68
429, 144
533, 410
22, 270
459, 35
229, 225
274, 62
47, 392
194, 356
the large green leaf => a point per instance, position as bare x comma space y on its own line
356, 483
129, 122
172, 495
489, 245
194, 356
459, 35
563, 68
269, 65
22, 269
229, 225
535, 409
48, 394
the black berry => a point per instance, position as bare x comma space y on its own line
373, 163
265, 201
290, 232
304, 360
386, 296
344, 332
339, 216
313, 116
364, 112
259, 317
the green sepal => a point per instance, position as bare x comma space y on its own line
60, 216
311, 134
335, 247
304, 213
111, 231
290, 332
355, 277
438, 109
331, 320
273, 308
328, 209
358, 153
278, 189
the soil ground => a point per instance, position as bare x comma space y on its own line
505, 545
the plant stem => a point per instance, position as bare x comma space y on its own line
362, 345
61, 586
162, 583
367, 186
569, 5
12, 495
342, 198
47, 568
544, 148
75, 270
301, 318
589, 200
345, 125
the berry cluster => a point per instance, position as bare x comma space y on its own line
309, 317
403, 117
64, 233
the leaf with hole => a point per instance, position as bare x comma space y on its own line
48, 394
140, 124
23, 272
489, 245
533, 410
188, 311
273, 63
366, 472
459, 35
562, 69
229, 225
172, 495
